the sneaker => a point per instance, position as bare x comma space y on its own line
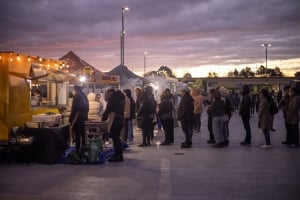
142, 145
165, 143
294, 145
211, 142
265, 146
219, 145
284, 142
245, 143
115, 158
185, 145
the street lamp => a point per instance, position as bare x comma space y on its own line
266, 45
145, 54
122, 35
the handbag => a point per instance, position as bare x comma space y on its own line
139, 121
166, 116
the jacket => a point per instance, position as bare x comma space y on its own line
115, 108
264, 117
185, 110
127, 108
198, 104
79, 110
245, 106
292, 114
166, 106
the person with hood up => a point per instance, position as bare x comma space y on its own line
114, 113
147, 114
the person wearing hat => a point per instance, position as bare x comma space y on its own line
79, 114
185, 115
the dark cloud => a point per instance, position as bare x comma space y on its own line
176, 33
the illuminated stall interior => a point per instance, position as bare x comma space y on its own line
30, 85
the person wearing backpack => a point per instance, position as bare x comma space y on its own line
264, 116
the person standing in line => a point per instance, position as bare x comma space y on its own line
244, 112
147, 114
126, 119
264, 117
138, 95
132, 114
173, 100
292, 117
227, 113
272, 94
284, 104
185, 115
198, 108
209, 100
114, 113
79, 114
253, 103
218, 112
166, 117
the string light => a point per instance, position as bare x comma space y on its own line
46, 64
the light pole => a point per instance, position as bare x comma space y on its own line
266, 45
122, 35
145, 54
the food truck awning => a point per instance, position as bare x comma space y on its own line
41, 73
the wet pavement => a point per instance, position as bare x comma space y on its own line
169, 172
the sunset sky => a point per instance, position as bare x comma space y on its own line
188, 36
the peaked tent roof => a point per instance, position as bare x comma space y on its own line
77, 65
127, 77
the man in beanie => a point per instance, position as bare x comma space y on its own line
79, 114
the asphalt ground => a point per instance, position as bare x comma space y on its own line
169, 172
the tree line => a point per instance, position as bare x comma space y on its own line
246, 72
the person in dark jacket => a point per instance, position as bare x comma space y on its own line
147, 114
292, 117
284, 104
114, 113
218, 112
79, 114
209, 101
165, 114
244, 112
185, 115
132, 114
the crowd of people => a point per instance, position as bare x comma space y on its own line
122, 109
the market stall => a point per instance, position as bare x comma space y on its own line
32, 87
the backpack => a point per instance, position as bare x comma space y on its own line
273, 108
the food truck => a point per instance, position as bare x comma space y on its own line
30, 87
